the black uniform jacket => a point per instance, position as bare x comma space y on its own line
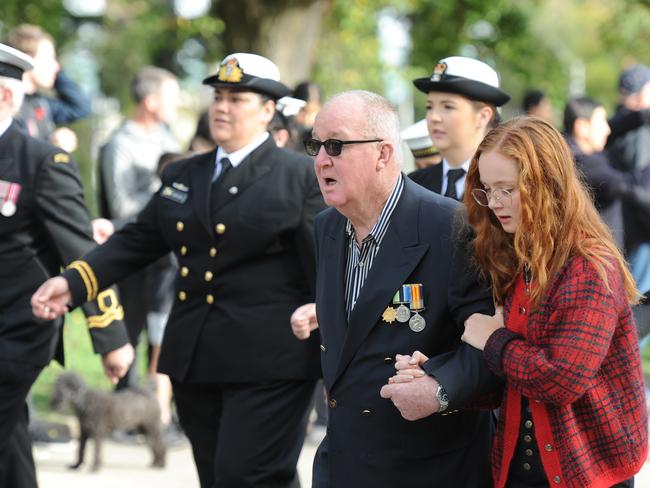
368, 443
246, 258
429, 177
49, 229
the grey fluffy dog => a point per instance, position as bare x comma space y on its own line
99, 413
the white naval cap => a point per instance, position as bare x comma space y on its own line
289, 105
13, 63
465, 76
250, 71
417, 138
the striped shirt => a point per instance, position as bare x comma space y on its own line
360, 258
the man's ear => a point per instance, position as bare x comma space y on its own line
6, 97
386, 151
150, 102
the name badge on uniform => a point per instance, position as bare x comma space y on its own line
175, 193
9, 193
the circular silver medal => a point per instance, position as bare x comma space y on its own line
403, 313
417, 323
8, 208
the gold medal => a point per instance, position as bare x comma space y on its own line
389, 315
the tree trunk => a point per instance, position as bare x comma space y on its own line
285, 31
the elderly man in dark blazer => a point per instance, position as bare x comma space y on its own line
240, 221
44, 224
393, 277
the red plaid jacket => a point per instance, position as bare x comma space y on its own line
577, 361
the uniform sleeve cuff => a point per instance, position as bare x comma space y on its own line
493, 350
77, 287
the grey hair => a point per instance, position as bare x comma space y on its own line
148, 81
17, 89
381, 119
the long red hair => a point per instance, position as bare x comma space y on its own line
557, 217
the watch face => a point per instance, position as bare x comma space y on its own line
442, 395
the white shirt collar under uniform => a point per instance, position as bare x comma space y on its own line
460, 184
5, 125
236, 157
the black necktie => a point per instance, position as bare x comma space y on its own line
225, 166
453, 175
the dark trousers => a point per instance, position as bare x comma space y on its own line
16, 461
245, 435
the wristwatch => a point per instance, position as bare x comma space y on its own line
443, 399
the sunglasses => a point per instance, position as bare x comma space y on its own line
333, 147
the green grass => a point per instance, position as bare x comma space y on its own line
79, 357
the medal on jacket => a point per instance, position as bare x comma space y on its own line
389, 315
9, 193
417, 322
403, 297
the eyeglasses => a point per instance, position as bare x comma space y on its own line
333, 147
482, 197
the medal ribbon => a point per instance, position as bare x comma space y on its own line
9, 191
13, 192
5, 188
417, 300
405, 294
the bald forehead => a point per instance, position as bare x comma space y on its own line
349, 101
341, 115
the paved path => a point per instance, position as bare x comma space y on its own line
126, 467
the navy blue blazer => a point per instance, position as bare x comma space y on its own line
368, 443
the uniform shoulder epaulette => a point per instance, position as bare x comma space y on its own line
61, 158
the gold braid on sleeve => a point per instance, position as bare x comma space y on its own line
88, 276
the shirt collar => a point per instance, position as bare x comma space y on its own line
446, 167
236, 157
4, 126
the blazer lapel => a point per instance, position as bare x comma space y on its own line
398, 256
235, 181
201, 183
333, 316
